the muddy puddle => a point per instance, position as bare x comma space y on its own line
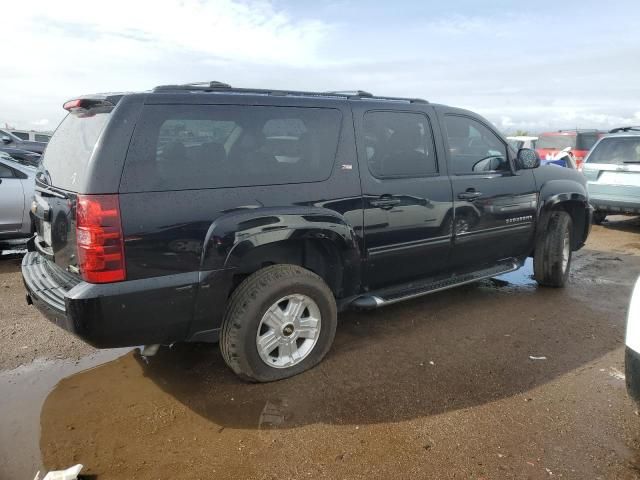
24, 390
523, 277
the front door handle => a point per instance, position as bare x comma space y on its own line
386, 203
470, 195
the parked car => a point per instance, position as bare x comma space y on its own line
16, 192
31, 135
24, 157
578, 141
520, 141
252, 217
632, 349
612, 169
8, 139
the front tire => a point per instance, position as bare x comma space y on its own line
280, 321
552, 259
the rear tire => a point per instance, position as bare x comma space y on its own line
598, 217
552, 259
279, 322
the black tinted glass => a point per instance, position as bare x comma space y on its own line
399, 144
586, 141
179, 147
616, 150
5, 172
473, 148
69, 150
21, 135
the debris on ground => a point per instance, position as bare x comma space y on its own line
70, 473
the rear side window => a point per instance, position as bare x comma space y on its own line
67, 155
39, 137
616, 150
181, 147
399, 144
556, 142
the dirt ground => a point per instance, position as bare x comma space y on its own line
499, 379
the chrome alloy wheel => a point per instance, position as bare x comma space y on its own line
566, 250
288, 331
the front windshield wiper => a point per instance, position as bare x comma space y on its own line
631, 161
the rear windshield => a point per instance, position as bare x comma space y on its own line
556, 142
181, 147
69, 150
616, 150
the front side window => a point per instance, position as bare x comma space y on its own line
399, 144
473, 148
180, 147
5, 172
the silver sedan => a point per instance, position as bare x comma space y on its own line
17, 184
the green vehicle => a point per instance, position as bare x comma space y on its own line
612, 169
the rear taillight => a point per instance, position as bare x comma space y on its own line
99, 239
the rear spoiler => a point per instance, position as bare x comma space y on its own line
87, 102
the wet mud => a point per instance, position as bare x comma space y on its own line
499, 379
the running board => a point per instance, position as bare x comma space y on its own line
393, 295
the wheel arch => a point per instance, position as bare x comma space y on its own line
570, 197
317, 239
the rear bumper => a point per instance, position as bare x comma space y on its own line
131, 313
610, 204
632, 373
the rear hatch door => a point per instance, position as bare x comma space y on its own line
60, 177
613, 168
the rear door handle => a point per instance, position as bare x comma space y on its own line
385, 203
469, 195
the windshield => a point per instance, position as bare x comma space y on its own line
616, 150
556, 142
68, 153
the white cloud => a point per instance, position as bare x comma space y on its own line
43, 122
70, 47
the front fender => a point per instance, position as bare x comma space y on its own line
554, 192
573, 193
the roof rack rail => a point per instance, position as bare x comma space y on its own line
350, 93
218, 86
205, 86
578, 130
625, 129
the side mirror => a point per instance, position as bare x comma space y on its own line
528, 159
6, 139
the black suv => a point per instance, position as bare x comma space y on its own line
203, 212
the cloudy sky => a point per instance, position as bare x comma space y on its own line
525, 65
